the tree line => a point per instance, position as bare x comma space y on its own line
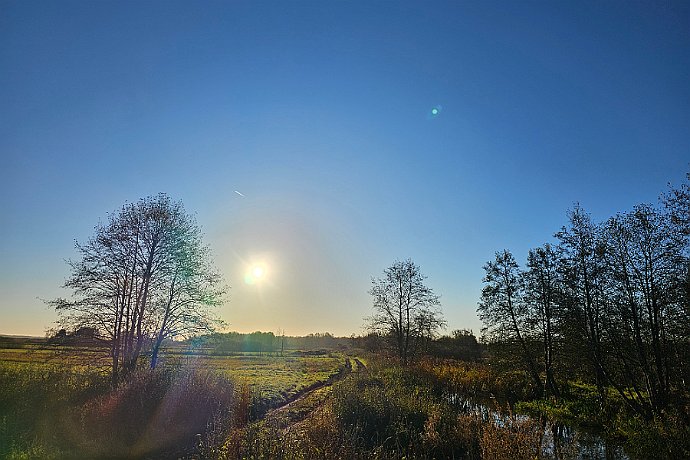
265, 342
608, 302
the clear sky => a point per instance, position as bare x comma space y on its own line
322, 115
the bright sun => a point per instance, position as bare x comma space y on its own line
255, 274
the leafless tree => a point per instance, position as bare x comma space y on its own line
406, 310
143, 277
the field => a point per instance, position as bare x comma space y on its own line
270, 377
273, 378
47, 394
58, 402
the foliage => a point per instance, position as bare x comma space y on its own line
461, 344
513, 437
73, 413
504, 311
608, 305
388, 411
382, 410
159, 411
34, 400
664, 437
477, 380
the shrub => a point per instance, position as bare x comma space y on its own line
511, 437
34, 399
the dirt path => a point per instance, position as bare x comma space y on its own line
290, 413
303, 393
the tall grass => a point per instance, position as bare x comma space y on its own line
34, 400
62, 413
387, 412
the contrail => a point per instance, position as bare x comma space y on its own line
238, 193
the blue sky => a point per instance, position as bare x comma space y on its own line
320, 114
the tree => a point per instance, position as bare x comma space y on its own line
502, 309
646, 268
677, 205
406, 310
582, 267
460, 344
612, 300
542, 295
677, 202
145, 276
192, 286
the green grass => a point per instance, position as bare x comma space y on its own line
272, 379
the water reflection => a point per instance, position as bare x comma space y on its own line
558, 441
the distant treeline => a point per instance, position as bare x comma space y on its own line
266, 342
461, 344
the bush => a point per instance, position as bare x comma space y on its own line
399, 412
667, 438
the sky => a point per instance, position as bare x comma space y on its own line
356, 133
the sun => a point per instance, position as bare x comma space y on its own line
258, 271
255, 273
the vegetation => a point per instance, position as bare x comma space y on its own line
600, 323
143, 278
60, 403
406, 311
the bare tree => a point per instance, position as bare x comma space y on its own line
406, 310
143, 277
677, 202
191, 287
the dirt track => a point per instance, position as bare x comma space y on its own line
282, 411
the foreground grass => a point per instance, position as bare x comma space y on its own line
224, 408
385, 411
62, 413
61, 404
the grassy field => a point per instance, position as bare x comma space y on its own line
270, 377
57, 402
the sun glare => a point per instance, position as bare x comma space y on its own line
255, 273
